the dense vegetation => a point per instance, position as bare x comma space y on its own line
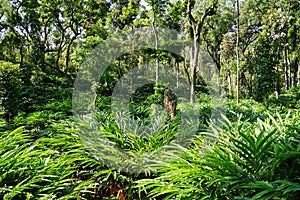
251, 150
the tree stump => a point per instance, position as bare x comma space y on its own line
169, 104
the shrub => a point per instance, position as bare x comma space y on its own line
56, 167
288, 99
10, 85
238, 160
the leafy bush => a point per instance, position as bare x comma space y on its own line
239, 160
39, 169
136, 137
35, 98
10, 85
145, 98
288, 99
56, 167
248, 109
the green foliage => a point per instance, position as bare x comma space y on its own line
10, 85
245, 161
248, 109
135, 136
251, 154
40, 169
55, 167
288, 99
39, 98
264, 63
124, 13
145, 98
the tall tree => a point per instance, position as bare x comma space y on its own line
196, 24
156, 12
264, 61
237, 50
214, 29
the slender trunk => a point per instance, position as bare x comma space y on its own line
194, 62
156, 69
95, 100
197, 28
286, 70
219, 82
250, 84
237, 52
289, 67
21, 56
267, 102
27, 71
294, 72
185, 68
294, 46
298, 75
156, 46
298, 79
68, 52
278, 88
193, 83
120, 74
229, 82
177, 73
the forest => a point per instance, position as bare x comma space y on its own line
150, 99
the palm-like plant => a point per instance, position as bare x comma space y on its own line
55, 167
239, 160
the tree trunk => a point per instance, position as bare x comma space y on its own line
267, 102
286, 70
156, 46
120, 74
177, 73
197, 28
194, 63
250, 84
237, 52
185, 68
219, 81
169, 104
278, 86
230, 85
295, 72
298, 77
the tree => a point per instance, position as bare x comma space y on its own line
237, 51
264, 61
50, 31
214, 29
123, 13
280, 18
196, 24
